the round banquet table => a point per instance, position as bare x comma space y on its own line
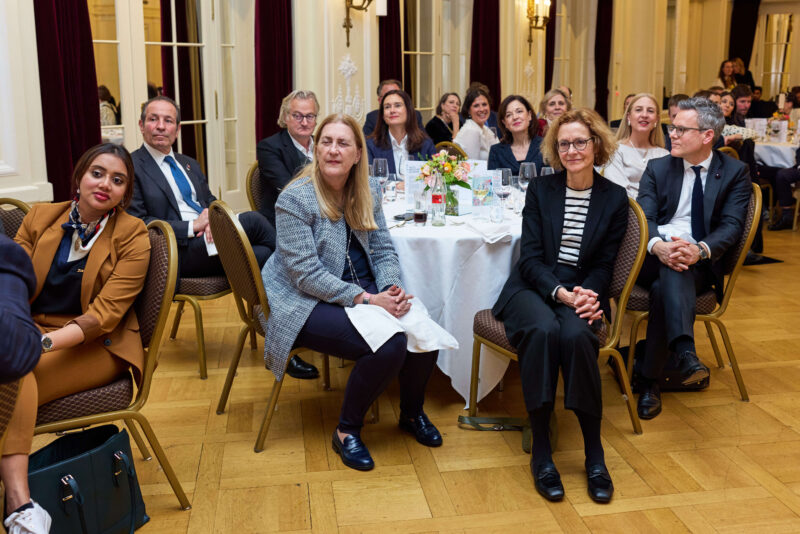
781, 155
456, 273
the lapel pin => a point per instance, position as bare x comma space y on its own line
717, 176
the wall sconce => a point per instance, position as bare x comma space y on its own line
380, 7
538, 16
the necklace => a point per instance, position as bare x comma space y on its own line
445, 124
639, 150
353, 274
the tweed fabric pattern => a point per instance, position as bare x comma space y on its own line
626, 255
234, 249
308, 264
12, 220
148, 303
8, 399
114, 396
257, 189
202, 286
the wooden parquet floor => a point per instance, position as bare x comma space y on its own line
708, 463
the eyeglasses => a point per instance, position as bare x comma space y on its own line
311, 117
579, 145
680, 130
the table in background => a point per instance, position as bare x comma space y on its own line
456, 274
781, 155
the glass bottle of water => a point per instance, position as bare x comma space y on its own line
438, 199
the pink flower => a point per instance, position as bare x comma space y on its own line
453, 158
426, 170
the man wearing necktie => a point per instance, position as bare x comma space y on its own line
172, 187
695, 201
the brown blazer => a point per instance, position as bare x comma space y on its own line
114, 275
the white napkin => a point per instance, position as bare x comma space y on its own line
376, 326
491, 232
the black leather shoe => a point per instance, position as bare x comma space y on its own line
353, 452
547, 481
298, 368
649, 404
784, 223
599, 483
692, 369
422, 429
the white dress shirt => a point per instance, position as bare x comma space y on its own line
475, 140
400, 154
187, 212
681, 223
308, 154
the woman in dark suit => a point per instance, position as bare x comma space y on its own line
90, 258
445, 124
572, 225
397, 136
519, 143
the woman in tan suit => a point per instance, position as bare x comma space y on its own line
90, 259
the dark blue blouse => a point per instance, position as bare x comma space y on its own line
61, 292
360, 263
501, 157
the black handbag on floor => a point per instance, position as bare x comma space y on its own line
87, 483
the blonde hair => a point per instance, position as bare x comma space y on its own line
656, 137
546, 98
603, 142
358, 200
302, 94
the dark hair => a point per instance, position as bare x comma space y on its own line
472, 95
390, 81
674, 100
163, 99
85, 161
741, 91
508, 137
103, 93
444, 99
725, 80
478, 85
416, 135
702, 94
758, 88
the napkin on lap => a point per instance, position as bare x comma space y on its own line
491, 232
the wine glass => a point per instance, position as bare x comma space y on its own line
380, 170
504, 190
527, 172
480, 189
547, 170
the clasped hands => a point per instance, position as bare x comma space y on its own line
584, 301
677, 254
394, 300
200, 226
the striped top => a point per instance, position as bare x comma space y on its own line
576, 206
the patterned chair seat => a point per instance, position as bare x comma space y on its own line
115, 396
640, 301
207, 285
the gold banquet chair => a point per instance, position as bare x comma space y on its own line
487, 330
8, 400
707, 309
255, 187
12, 217
116, 401
451, 148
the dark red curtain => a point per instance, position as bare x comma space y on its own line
70, 108
274, 77
602, 55
484, 63
390, 52
743, 29
550, 47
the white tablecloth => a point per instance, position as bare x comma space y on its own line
776, 154
456, 274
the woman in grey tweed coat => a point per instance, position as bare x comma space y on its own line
334, 251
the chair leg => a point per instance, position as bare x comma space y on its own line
201, 338
177, 320
341, 363
162, 459
732, 357
473, 378
326, 372
137, 438
226, 389
627, 393
273, 401
253, 342
714, 345
637, 320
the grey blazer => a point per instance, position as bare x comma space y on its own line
308, 264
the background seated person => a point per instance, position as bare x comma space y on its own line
572, 225
280, 156
672, 108
475, 137
334, 252
447, 121
686, 240
397, 136
614, 125
554, 104
640, 140
90, 258
372, 117
784, 178
519, 143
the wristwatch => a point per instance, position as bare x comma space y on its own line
703, 253
366, 298
47, 343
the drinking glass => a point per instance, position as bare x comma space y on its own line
380, 170
547, 170
390, 193
504, 190
480, 189
527, 172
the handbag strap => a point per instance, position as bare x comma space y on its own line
70, 491
501, 423
123, 463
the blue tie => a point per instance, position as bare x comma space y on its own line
698, 226
186, 189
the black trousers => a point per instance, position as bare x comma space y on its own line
549, 336
673, 300
329, 330
194, 261
784, 179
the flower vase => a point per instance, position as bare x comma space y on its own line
451, 207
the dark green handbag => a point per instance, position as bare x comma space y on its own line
87, 483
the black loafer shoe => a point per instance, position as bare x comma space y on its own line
547, 481
422, 429
353, 452
784, 223
599, 483
298, 368
692, 369
649, 404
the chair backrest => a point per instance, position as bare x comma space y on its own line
8, 399
12, 217
729, 151
452, 149
255, 189
236, 255
152, 304
733, 259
